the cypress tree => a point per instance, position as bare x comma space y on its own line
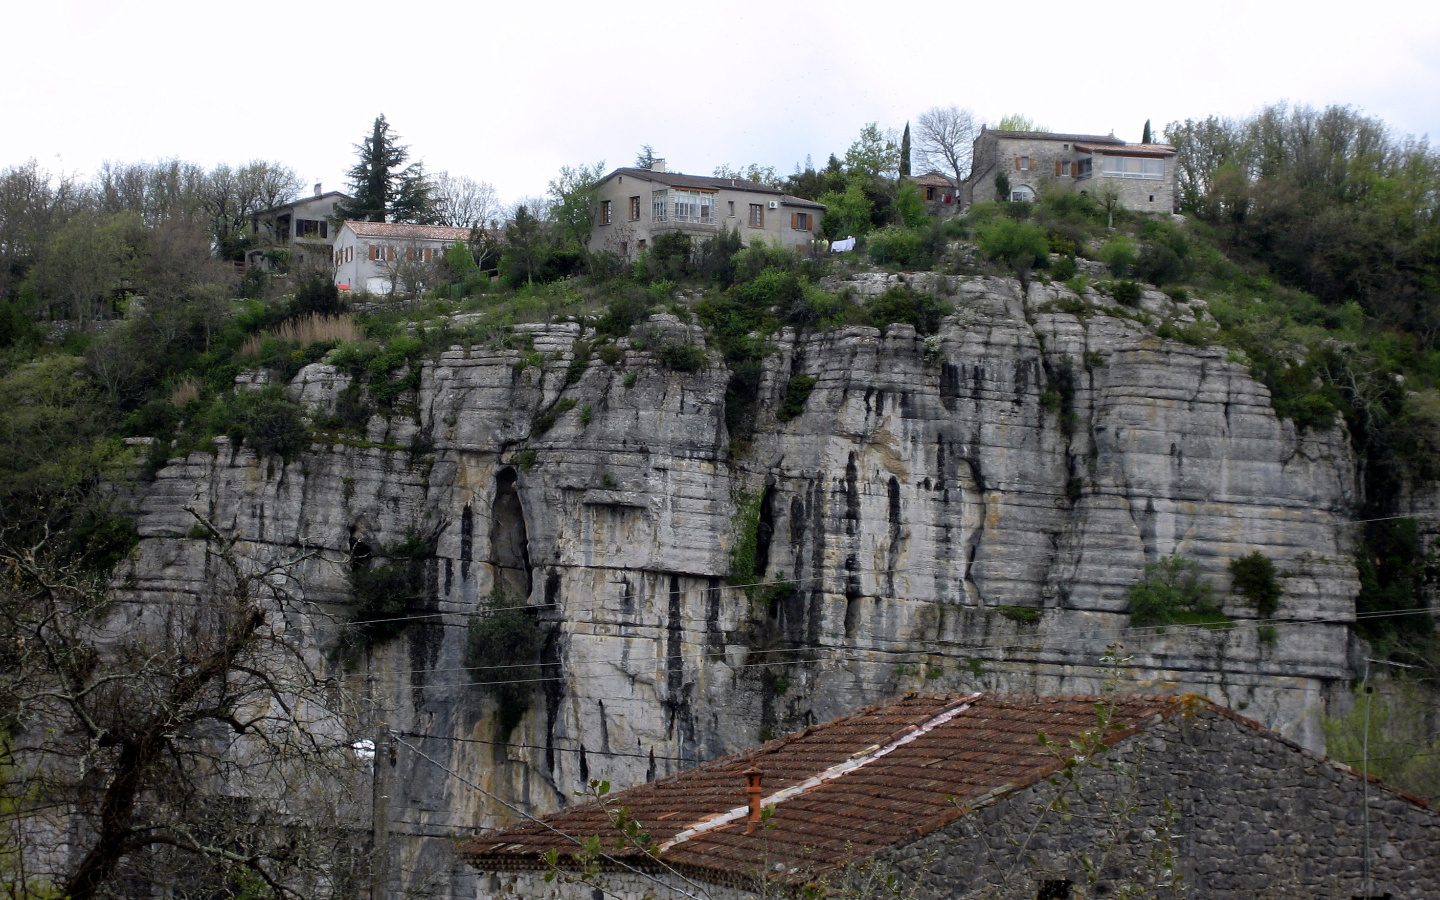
1145, 139
905, 152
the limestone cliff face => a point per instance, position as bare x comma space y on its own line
959, 512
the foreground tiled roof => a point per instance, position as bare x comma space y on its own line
397, 231
884, 775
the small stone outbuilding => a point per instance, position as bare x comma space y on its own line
969, 796
1143, 175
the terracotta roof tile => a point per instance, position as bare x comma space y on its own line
882, 775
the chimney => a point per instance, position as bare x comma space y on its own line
752, 789
317, 188
657, 165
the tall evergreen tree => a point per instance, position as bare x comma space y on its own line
905, 151
1145, 138
383, 188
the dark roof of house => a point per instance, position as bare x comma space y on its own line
702, 182
299, 200
886, 774
399, 231
1128, 149
1053, 136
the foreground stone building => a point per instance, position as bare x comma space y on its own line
1144, 174
972, 795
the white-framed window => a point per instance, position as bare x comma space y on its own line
1022, 194
604, 212
634, 209
1132, 167
695, 206
659, 204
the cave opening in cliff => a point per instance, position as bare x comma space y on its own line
509, 540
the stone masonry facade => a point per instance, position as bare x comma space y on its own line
1036, 161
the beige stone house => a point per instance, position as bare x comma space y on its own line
969, 796
1032, 160
637, 205
304, 227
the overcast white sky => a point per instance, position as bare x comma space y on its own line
509, 92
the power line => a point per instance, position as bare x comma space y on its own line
547, 826
587, 752
954, 646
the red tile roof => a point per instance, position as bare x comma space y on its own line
884, 775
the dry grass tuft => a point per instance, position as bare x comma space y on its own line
311, 329
184, 390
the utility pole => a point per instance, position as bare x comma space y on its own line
382, 779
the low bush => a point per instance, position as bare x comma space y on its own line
797, 392
1172, 592
1253, 577
904, 305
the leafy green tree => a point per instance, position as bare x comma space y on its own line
1021, 246
527, 245
909, 206
1172, 590
873, 153
86, 262
1018, 122
383, 187
1253, 577
573, 204
847, 213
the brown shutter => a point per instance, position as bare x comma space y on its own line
1057, 166
1017, 163
794, 221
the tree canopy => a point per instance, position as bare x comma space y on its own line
383, 188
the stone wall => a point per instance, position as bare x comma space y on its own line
1243, 814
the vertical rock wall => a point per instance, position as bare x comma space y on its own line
956, 512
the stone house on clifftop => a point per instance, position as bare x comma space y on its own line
1031, 160
634, 206
970, 796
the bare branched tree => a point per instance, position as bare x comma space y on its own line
463, 202
192, 744
945, 137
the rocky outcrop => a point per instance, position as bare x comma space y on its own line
959, 511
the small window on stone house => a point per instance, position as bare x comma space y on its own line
1055, 889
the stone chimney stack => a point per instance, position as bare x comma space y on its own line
317, 188
753, 777
657, 165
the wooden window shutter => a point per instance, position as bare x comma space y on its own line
1017, 163
1058, 164
795, 221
